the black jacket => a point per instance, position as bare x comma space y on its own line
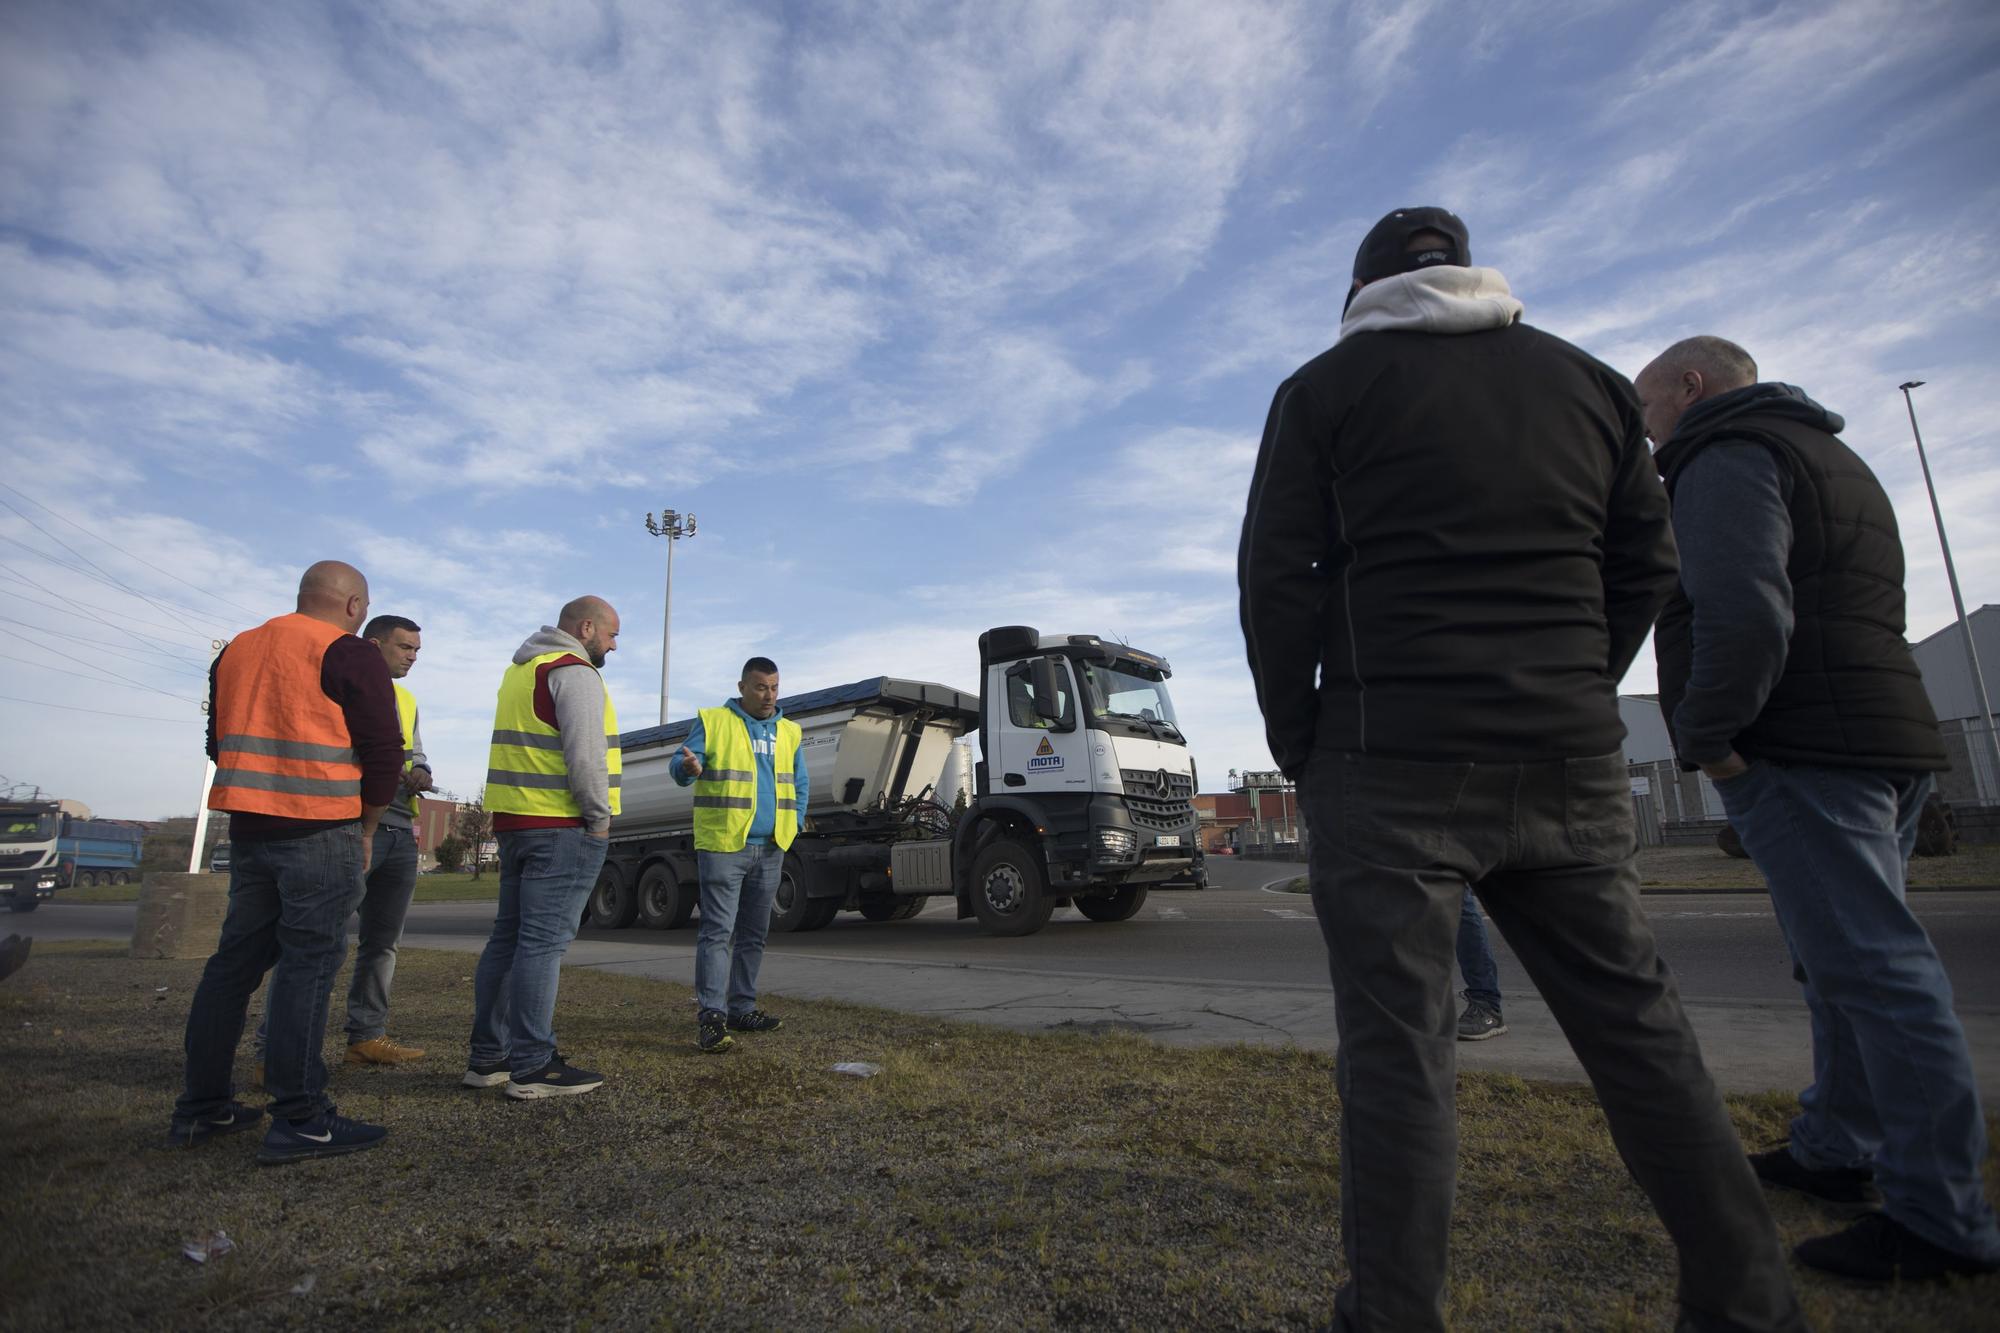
1455, 545
1846, 692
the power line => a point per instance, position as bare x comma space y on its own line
122, 551
73, 604
77, 663
72, 708
101, 573
122, 650
98, 680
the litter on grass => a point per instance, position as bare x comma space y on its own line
212, 1246
857, 1068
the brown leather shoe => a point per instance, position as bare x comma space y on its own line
381, 1051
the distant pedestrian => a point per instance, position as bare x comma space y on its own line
1785, 677
302, 728
551, 787
392, 870
1480, 1019
750, 788
1455, 543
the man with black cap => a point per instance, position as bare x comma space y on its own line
1455, 544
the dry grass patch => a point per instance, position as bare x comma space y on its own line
984, 1179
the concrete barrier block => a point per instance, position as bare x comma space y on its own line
180, 915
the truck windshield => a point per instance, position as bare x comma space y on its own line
27, 828
1121, 690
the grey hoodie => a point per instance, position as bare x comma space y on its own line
579, 700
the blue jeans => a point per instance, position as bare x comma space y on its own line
1892, 1078
1549, 846
385, 901
392, 882
545, 878
288, 906
1475, 956
736, 893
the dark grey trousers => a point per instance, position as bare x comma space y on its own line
1548, 848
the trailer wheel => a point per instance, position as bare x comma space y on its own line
124, 877
1121, 905
85, 880
664, 902
612, 905
1010, 891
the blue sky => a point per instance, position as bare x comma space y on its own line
938, 317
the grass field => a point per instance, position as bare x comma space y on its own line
986, 1179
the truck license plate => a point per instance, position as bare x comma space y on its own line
1169, 840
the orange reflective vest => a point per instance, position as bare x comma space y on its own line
282, 747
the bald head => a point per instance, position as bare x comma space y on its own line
335, 592
592, 623
1690, 371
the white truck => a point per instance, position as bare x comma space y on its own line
1085, 795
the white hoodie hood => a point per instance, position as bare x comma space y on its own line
1444, 298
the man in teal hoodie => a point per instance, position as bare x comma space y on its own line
750, 796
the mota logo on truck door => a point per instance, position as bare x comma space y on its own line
1044, 759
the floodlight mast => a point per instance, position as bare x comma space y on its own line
674, 526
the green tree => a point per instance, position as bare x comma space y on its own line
450, 852
472, 827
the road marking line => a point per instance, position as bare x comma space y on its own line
1171, 914
1287, 914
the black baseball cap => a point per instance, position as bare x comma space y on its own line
1385, 249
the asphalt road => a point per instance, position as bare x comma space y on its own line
1725, 948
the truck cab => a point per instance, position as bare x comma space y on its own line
1084, 764
30, 868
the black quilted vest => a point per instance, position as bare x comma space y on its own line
1851, 695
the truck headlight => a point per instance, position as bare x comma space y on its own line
1119, 841
45, 884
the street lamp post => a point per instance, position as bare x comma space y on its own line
673, 526
1951, 574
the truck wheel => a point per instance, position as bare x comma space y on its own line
613, 905
1010, 891
1122, 905
790, 909
908, 908
664, 903
86, 880
25, 904
880, 909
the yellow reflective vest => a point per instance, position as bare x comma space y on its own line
525, 771
406, 713
725, 795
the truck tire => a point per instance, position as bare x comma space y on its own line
891, 907
1121, 905
86, 880
664, 902
1010, 890
791, 910
613, 904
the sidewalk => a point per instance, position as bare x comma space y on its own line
1750, 1047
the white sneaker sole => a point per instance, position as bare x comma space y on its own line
1487, 1035
528, 1092
475, 1079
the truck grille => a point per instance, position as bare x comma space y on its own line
20, 860
1158, 799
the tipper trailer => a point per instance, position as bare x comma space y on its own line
44, 848
1085, 795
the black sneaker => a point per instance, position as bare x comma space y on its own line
554, 1079
231, 1118
1480, 1021
1878, 1248
485, 1076
754, 1021
1847, 1187
712, 1033
328, 1134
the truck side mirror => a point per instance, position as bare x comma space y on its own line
1042, 675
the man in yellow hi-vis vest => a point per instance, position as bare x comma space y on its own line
551, 786
392, 869
749, 798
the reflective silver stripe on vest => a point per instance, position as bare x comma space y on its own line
726, 775
784, 804
725, 803
541, 781
250, 780
273, 748
534, 740
785, 780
